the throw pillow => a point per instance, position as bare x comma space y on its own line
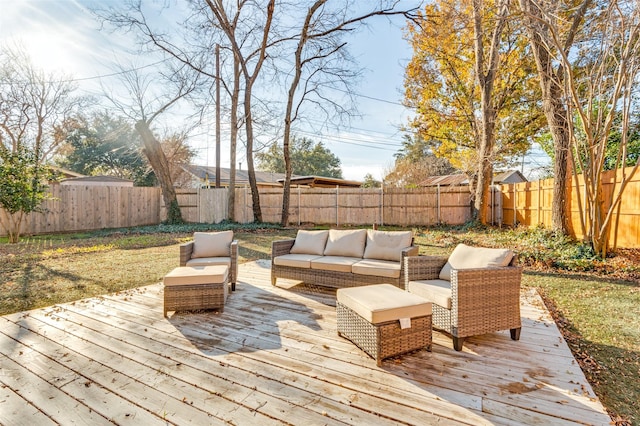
386, 245
212, 244
467, 257
348, 243
310, 242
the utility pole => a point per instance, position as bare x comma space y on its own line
217, 116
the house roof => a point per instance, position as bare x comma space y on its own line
509, 176
206, 173
446, 180
322, 182
459, 179
97, 179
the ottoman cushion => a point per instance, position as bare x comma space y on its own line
189, 275
383, 302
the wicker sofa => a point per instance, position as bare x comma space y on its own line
343, 258
474, 291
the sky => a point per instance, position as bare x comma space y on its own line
63, 36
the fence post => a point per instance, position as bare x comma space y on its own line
515, 194
337, 219
438, 203
382, 205
299, 208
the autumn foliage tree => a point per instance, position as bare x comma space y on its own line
470, 81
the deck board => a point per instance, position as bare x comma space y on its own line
273, 357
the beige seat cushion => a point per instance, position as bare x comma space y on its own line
334, 263
212, 244
381, 268
310, 242
347, 243
436, 291
386, 245
206, 261
383, 302
295, 260
467, 257
189, 275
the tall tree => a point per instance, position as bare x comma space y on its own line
568, 18
415, 162
36, 108
307, 158
600, 88
105, 145
471, 84
144, 104
250, 59
321, 58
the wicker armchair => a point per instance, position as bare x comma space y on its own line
231, 259
475, 301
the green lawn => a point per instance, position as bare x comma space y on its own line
595, 302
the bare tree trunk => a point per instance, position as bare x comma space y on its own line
233, 142
160, 166
486, 71
551, 80
248, 124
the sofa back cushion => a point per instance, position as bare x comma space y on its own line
212, 244
348, 243
466, 257
310, 242
386, 245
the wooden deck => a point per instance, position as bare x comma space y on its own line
273, 357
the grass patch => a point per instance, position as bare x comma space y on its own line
596, 302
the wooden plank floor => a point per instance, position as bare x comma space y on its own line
273, 357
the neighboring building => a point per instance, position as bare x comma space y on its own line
97, 181
510, 176
460, 179
322, 182
204, 176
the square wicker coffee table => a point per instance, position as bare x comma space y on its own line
188, 288
383, 320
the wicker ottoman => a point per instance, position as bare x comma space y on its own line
196, 287
383, 320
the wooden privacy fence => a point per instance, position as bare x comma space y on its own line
529, 204
81, 208
201, 205
360, 206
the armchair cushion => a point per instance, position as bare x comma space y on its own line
212, 244
207, 261
436, 291
386, 245
310, 242
347, 243
466, 257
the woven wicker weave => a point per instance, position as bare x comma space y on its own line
482, 300
186, 250
325, 278
386, 339
195, 297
